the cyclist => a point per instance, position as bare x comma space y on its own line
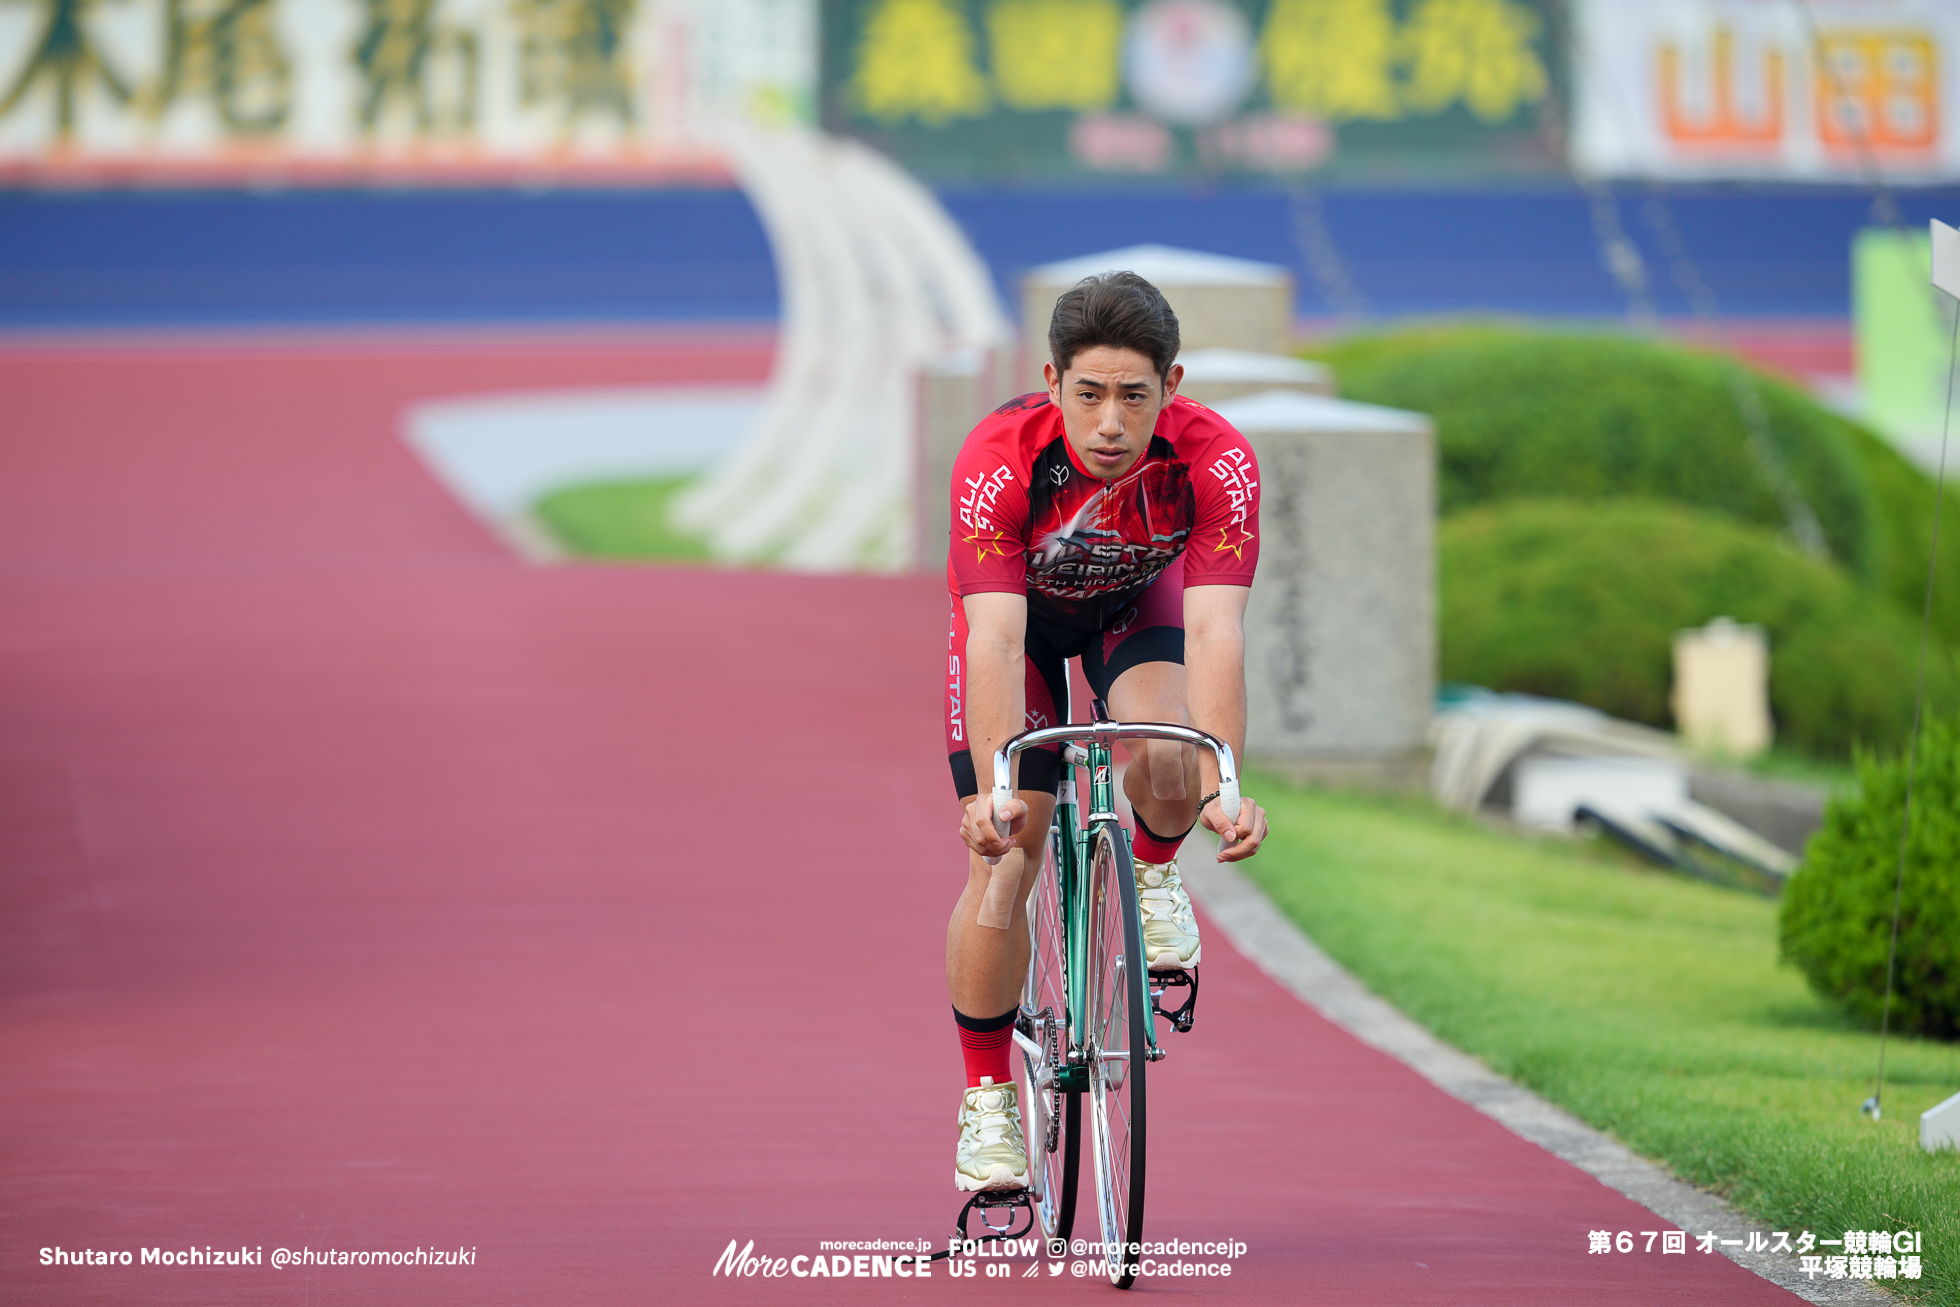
1114, 521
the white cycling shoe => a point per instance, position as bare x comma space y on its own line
993, 1153
1170, 929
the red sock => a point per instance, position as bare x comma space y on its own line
1148, 846
986, 1042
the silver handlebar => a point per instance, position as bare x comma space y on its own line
1109, 733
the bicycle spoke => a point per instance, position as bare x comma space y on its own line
1051, 1115
1119, 1063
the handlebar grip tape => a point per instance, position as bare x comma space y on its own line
1001, 828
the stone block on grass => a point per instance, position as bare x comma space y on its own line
1341, 627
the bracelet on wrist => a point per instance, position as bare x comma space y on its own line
1206, 801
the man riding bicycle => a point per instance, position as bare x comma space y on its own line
1114, 521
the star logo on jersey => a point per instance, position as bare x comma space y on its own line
1225, 540
986, 542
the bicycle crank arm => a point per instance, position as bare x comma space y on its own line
1011, 1201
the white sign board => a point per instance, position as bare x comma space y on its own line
231, 87
1946, 258
1939, 1126
1831, 90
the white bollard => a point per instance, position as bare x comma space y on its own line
1721, 688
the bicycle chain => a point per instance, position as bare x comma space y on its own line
1054, 1065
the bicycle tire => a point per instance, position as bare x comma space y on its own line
1119, 1013
1044, 998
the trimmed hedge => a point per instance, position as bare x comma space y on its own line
1590, 417
1581, 601
1902, 531
1836, 917
1596, 417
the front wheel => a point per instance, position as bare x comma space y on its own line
1053, 1117
1119, 1012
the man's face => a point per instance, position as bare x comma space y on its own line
1110, 399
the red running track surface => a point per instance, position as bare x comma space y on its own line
365, 889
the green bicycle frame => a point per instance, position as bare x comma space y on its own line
1073, 842
1072, 837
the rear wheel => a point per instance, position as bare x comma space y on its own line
1053, 1118
1119, 1010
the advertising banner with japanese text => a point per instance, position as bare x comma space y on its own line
1831, 90
1107, 89
211, 88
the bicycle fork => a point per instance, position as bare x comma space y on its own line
1072, 857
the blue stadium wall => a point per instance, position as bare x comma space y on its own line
133, 259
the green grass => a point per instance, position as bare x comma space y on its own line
1651, 1006
621, 519
1782, 763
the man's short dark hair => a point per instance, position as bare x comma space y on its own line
1117, 309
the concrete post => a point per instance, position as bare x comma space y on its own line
1214, 375
1220, 302
1341, 628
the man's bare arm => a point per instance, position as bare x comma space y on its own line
996, 705
1214, 670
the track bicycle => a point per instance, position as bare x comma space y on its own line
1087, 1021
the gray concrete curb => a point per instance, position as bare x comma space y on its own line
1261, 932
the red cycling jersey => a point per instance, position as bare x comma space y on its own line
1029, 519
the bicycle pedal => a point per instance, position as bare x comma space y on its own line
1001, 1197
1181, 1017
996, 1200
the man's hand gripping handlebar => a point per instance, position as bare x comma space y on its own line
1009, 814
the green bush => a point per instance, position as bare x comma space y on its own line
1597, 417
1836, 918
1902, 520
1581, 601
1559, 416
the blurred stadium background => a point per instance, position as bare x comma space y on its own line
252, 162
750, 181
312, 312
